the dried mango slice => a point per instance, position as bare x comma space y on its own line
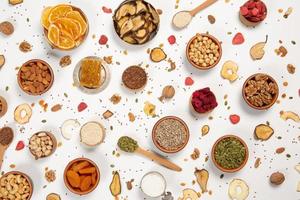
75, 15
59, 11
45, 17
263, 132
157, 55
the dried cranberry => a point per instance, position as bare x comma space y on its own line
81, 107
172, 39
20, 146
103, 40
238, 39
234, 119
203, 100
106, 10
188, 81
254, 10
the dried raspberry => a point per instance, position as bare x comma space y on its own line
106, 10
234, 119
81, 107
238, 39
188, 81
20, 146
204, 100
254, 11
244, 10
172, 39
103, 40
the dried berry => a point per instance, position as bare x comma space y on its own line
211, 19
189, 81
20, 146
82, 106
106, 10
238, 39
234, 119
103, 40
172, 39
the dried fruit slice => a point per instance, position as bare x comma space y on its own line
65, 42
59, 12
45, 17
53, 34
257, 51
73, 178
238, 190
75, 15
69, 27
115, 185
285, 115
125, 10
157, 55
2, 61
263, 132
190, 194
202, 178
229, 71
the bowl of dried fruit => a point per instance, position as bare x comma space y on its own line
253, 12
204, 51
3, 106
35, 77
91, 75
42, 144
81, 176
260, 91
230, 153
14, 185
170, 134
136, 21
65, 26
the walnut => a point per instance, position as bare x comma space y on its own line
25, 47
277, 178
65, 61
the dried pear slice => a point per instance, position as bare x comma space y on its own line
263, 132
129, 40
126, 9
122, 21
126, 27
137, 22
157, 55
140, 7
141, 33
257, 51
142, 40
202, 178
151, 27
190, 194
154, 14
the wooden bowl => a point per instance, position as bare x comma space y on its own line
54, 141
71, 189
51, 73
222, 168
24, 176
247, 22
3, 105
213, 39
154, 133
82, 38
263, 107
153, 33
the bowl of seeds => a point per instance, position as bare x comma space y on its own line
134, 78
42, 144
260, 91
170, 134
230, 153
204, 51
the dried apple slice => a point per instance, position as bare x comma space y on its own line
140, 7
126, 27
190, 194
157, 55
238, 190
125, 10
137, 22
202, 178
141, 33
263, 132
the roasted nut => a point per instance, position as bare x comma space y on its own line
277, 178
6, 28
41, 145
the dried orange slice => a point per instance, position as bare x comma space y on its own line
53, 34
59, 11
75, 15
65, 42
69, 27
45, 17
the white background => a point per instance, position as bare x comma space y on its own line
133, 166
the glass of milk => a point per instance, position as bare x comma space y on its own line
153, 184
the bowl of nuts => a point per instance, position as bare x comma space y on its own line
260, 91
15, 185
35, 77
203, 51
42, 144
81, 176
136, 21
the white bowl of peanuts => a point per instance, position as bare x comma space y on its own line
203, 51
15, 185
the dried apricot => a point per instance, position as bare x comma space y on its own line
86, 183
80, 166
73, 178
89, 170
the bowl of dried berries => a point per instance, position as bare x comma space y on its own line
202, 101
230, 153
81, 176
170, 134
42, 144
16, 185
253, 12
260, 91
35, 77
204, 51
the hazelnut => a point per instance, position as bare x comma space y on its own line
277, 178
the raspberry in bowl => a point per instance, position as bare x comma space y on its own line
203, 101
253, 12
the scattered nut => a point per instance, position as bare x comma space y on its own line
257, 163
280, 150
211, 19
195, 155
291, 68
107, 114
50, 176
131, 117
277, 178
56, 107
25, 47
205, 130
41, 145
281, 51
65, 61
115, 99
6, 28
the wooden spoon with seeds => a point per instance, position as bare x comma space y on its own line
129, 145
6, 137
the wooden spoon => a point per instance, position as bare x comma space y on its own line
4, 144
183, 18
159, 159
